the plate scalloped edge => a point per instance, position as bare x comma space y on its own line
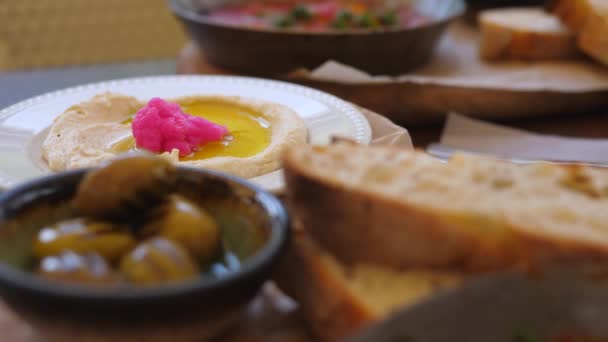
363, 133
362, 128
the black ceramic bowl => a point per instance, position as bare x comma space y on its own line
476, 6
185, 311
503, 3
270, 52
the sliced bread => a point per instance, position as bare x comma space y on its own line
589, 20
337, 300
402, 208
527, 33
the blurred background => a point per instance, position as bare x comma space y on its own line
51, 44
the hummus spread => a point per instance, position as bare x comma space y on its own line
94, 131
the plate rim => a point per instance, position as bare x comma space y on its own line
356, 116
362, 127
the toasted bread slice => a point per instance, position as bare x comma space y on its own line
527, 33
589, 20
338, 300
402, 208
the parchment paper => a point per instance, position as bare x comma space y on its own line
384, 132
473, 135
456, 80
456, 63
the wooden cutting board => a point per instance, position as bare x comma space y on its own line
455, 80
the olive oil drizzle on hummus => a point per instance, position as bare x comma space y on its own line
249, 132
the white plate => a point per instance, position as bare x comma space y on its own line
23, 126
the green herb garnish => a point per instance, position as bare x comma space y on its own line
342, 20
523, 334
339, 24
366, 20
344, 15
389, 18
300, 12
284, 22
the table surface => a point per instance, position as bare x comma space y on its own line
191, 61
18, 86
585, 126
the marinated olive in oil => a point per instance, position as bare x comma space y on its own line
188, 225
124, 187
135, 224
84, 236
68, 266
158, 261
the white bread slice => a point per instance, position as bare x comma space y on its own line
589, 20
337, 300
402, 208
527, 33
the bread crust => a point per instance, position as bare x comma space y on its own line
518, 33
359, 226
589, 20
337, 301
331, 310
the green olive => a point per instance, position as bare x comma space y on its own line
125, 186
188, 225
90, 268
158, 261
84, 236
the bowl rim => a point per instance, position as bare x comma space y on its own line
269, 252
186, 13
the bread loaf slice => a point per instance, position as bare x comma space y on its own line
589, 20
338, 300
527, 33
402, 208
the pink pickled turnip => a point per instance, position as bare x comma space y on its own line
162, 126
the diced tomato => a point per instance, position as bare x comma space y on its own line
325, 10
253, 9
324, 15
357, 8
